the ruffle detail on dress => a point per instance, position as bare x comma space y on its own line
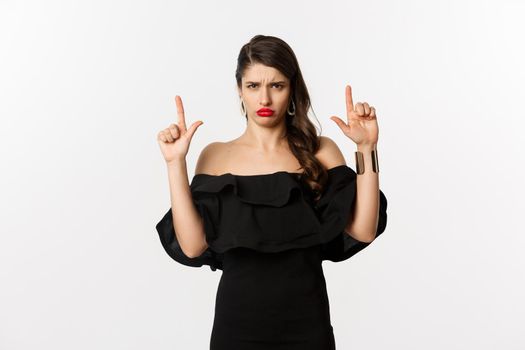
242, 211
270, 213
171, 245
250, 189
335, 208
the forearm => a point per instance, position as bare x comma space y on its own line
362, 224
187, 222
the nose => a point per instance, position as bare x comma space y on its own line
264, 97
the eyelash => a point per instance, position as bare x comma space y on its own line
279, 85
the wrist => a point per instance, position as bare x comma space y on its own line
176, 163
366, 148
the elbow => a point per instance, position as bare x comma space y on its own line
196, 252
361, 237
369, 238
360, 234
195, 246
192, 254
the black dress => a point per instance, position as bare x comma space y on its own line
269, 238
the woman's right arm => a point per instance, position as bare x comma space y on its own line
188, 225
187, 222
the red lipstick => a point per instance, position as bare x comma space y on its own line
265, 112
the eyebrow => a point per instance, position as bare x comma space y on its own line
273, 82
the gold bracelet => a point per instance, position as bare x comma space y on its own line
360, 164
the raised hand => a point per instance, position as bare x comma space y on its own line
174, 141
361, 124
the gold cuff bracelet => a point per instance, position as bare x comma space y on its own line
360, 164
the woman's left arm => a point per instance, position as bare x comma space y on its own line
362, 224
361, 127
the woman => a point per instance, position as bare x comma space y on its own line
269, 206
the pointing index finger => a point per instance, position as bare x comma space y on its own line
349, 100
180, 112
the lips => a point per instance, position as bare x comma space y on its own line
265, 112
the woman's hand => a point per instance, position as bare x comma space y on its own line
362, 122
174, 141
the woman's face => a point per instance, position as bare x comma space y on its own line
265, 87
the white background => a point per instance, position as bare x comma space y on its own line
86, 86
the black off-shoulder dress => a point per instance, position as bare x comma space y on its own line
269, 238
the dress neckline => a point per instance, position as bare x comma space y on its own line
264, 175
253, 175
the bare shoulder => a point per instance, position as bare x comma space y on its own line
329, 153
208, 160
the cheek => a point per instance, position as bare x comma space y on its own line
283, 99
250, 99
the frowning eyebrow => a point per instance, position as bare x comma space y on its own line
273, 82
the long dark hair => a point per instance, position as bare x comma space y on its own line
301, 133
